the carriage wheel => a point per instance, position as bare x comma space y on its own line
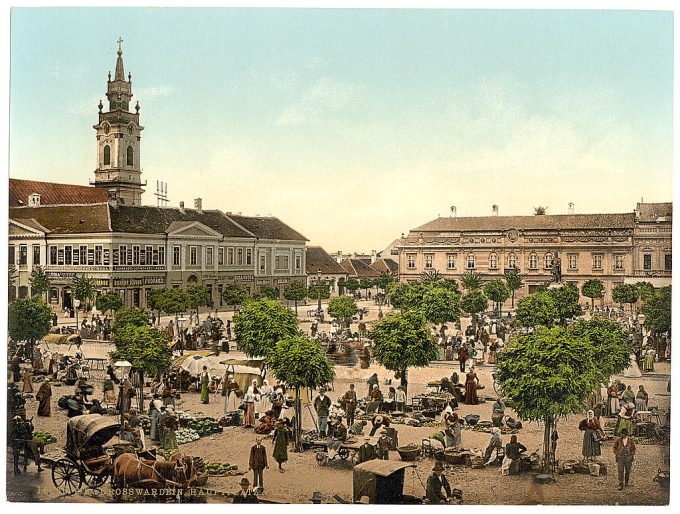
66, 476
343, 453
321, 458
96, 481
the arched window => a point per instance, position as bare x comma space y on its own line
512, 261
493, 261
130, 156
533, 261
548, 260
107, 154
471, 261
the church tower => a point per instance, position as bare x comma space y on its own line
118, 140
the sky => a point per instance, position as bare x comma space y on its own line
354, 126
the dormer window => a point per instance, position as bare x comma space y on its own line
34, 200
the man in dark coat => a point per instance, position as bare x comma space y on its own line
366, 451
322, 406
245, 495
350, 404
258, 463
372, 380
435, 483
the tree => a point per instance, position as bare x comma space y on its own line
351, 284
40, 281
657, 311
83, 289
342, 308
566, 300
430, 277
547, 374
592, 289
471, 281
497, 292
440, 305
513, 279
610, 342
261, 324
540, 210
401, 341
171, 301
366, 284
110, 301
295, 292
646, 290
154, 300
384, 281
300, 362
626, 293
474, 302
234, 294
29, 320
199, 296
130, 316
11, 281
316, 290
536, 309
270, 293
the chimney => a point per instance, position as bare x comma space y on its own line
34, 200
181, 207
494, 210
198, 205
571, 208
453, 211
113, 197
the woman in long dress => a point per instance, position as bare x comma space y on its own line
625, 419
471, 381
641, 399
109, 394
452, 432
648, 363
231, 402
265, 403
205, 380
170, 425
155, 417
592, 433
27, 386
44, 396
251, 397
280, 443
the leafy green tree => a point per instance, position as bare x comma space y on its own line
199, 296
366, 284
130, 316
342, 308
351, 284
592, 289
171, 301
110, 301
440, 305
536, 309
610, 342
657, 311
471, 281
84, 289
566, 300
261, 324
384, 281
646, 290
402, 341
474, 302
300, 362
409, 296
270, 293
497, 292
547, 374
155, 301
234, 294
314, 290
295, 292
430, 277
29, 320
626, 293
11, 282
513, 279
40, 281
450, 284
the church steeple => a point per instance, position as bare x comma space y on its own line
118, 139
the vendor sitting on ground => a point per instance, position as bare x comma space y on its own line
494, 444
266, 425
337, 434
513, 454
357, 427
452, 433
498, 412
375, 402
379, 421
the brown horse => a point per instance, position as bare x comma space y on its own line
130, 470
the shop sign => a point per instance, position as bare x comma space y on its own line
209, 277
282, 281
154, 281
128, 282
176, 281
61, 275
262, 281
101, 282
244, 278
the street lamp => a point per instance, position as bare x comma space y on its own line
318, 292
124, 368
76, 304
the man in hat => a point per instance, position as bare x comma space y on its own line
435, 483
245, 495
337, 436
350, 404
379, 421
366, 451
400, 399
258, 463
316, 497
624, 451
322, 406
384, 445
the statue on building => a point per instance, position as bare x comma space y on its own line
557, 269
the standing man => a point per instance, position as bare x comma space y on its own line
322, 406
624, 450
463, 357
258, 463
350, 404
435, 483
366, 451
400, 399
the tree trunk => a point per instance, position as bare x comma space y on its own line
298, 420
140, 396
296, 311
549, 428
513, 299
404, 380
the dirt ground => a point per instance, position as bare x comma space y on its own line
303, 475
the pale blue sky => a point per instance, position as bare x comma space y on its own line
354, 126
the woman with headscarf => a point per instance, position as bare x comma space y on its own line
265, 403
641, 399
452, 434
155, 417
513, 453
625, 419
231, 402
170, 425
109, 394
494, 444
648, 362
280, 443
27, 386
37, 358
249, 399
628, 395
471, 381
205, 380
592, 434
612, 406
44, 396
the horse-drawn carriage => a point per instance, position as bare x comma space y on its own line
84, 460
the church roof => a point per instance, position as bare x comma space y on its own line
52, 193
319, 260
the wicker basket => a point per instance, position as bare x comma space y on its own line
408, 453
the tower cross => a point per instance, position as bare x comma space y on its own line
120, 40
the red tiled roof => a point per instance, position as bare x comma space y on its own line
319, 260
542, 222
65, 219
358, 269
385, 266
52, 193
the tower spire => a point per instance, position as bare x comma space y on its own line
120, 73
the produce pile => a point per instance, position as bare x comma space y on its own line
220, 469
44, 437
167, 454
186, 435
205, 427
